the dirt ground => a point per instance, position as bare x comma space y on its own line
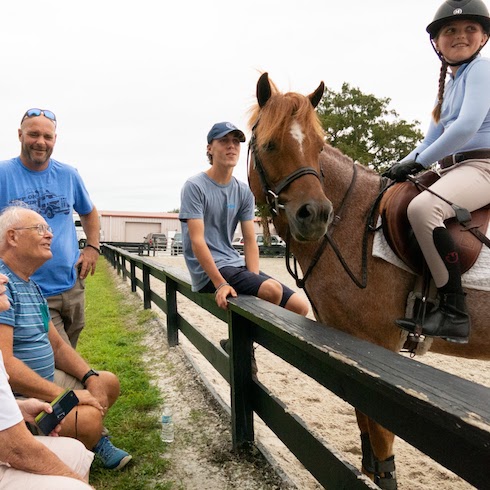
328, 415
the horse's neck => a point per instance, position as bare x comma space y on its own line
349, 186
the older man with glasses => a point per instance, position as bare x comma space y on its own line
55, 190
40, 364
43, 463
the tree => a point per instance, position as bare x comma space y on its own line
362, 127
263, 212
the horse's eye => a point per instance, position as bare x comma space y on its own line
270, 146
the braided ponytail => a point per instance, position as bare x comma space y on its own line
436, 113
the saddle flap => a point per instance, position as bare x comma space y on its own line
399, 234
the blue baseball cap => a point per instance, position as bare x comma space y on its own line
222, 129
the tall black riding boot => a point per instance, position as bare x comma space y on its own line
450, 319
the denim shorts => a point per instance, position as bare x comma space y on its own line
245, 282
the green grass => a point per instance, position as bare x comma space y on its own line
111, 341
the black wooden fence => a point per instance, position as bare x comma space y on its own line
442, 415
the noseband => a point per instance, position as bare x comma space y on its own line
272, 192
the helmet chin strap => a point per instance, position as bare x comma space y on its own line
458, 63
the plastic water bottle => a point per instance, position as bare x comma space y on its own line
167, 425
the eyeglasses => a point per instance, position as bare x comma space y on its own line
39, 112
41, 228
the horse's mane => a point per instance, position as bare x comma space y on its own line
276, 115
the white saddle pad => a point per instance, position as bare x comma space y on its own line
478, 277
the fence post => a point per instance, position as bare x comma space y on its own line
133, 277
123, 267
242, 422
118, 263
146, 288
172, 315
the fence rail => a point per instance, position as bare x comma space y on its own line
442, 415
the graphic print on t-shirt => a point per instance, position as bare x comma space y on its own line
44, 202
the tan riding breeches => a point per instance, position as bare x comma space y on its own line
466, 184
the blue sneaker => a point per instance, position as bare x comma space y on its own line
111, 457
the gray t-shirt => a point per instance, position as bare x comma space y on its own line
221, 207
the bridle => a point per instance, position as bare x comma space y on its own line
272, 192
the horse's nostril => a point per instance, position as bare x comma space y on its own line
304, 212
314, 211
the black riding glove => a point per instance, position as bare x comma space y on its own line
400, 171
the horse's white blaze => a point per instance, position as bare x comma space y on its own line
297, 134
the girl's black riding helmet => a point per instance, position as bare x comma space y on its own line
460, 9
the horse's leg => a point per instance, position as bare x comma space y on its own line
384, 457
367, 451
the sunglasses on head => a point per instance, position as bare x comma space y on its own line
39, 112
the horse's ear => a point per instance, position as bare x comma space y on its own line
264, 91
317, 95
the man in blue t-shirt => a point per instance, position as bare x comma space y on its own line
212, 205
54, 190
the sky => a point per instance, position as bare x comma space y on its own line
136, 86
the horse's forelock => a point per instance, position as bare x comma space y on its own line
276, 117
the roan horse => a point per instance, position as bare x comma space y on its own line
312, 188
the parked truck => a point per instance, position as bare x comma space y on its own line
81, 236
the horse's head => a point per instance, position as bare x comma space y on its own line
287, 139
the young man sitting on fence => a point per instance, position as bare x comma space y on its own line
212, 204
32, 347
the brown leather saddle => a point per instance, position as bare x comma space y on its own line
399, 234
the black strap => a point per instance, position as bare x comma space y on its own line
328, 239
476, 232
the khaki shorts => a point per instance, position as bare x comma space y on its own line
70, 451
67, 312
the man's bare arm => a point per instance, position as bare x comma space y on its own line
20, 449
205, 259
89, 256
22, 378
26, 381
250, 247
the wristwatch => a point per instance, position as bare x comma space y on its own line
91, 372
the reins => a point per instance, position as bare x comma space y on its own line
329, 240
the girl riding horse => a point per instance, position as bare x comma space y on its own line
459, 139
